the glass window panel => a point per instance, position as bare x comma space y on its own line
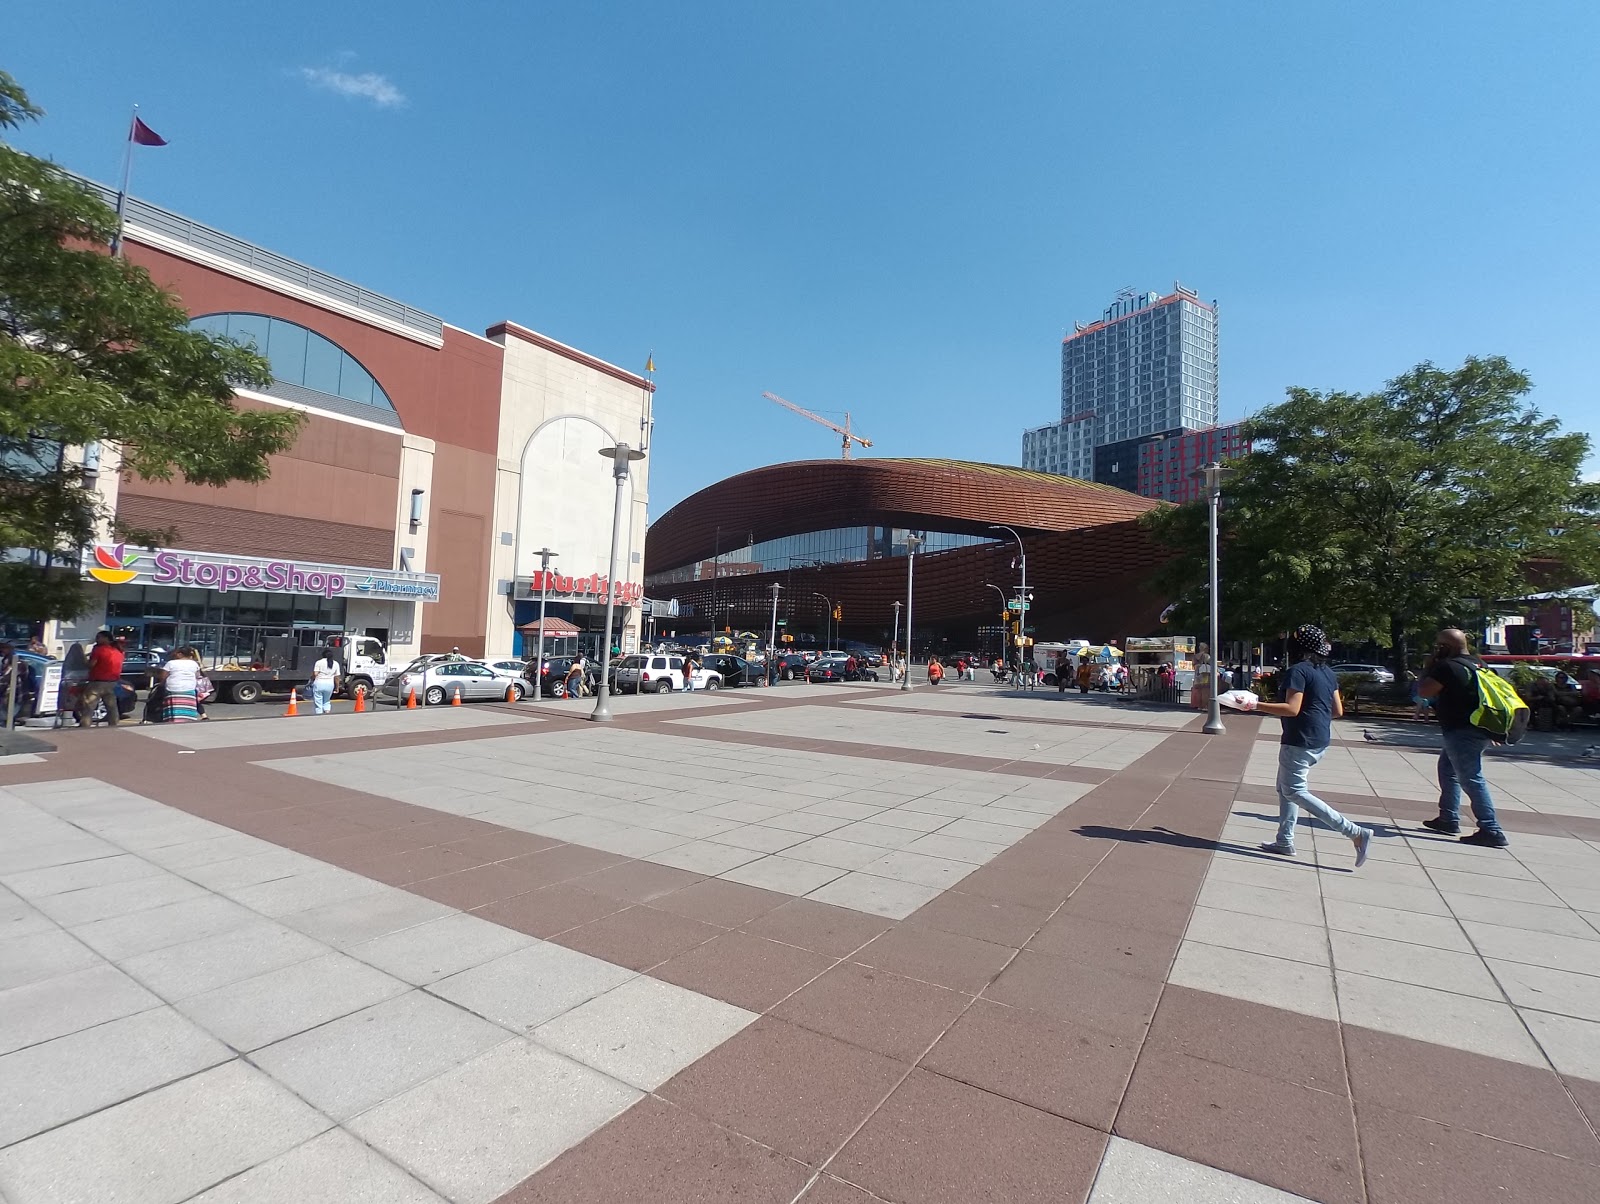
354, 381
322, 365
287, 351
250, 329
211, 323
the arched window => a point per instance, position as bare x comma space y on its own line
300, 356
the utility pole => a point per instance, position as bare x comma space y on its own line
772, 640
545, 557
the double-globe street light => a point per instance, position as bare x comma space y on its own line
1005, 653
827, 621
913, 542
1212, 474
545, 557
621, 456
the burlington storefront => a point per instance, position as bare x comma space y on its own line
247, 609
581, 601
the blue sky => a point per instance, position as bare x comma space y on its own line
895, 208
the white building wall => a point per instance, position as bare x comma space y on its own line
558, 408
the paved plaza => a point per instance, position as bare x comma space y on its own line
834, 945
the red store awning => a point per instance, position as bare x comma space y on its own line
553, 627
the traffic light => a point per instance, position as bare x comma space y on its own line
838, 614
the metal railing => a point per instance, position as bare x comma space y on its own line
236, 250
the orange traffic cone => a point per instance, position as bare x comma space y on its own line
411, 699
511, 693
361, 700
455, 699
294, 705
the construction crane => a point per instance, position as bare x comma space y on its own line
849, 436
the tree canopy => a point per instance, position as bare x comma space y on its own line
92, 351
1380, 515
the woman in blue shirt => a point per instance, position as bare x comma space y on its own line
1308, 704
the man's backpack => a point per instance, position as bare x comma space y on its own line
1500, 711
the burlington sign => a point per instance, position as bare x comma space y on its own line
117, 564
560, 585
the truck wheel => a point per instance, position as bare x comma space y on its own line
353, 684
433, 696
244, 691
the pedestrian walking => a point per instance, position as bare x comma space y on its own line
572, 684
935, 671
690, 668
105, 671
324, 680
1308, 702
1450, 681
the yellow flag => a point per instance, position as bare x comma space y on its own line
650, 363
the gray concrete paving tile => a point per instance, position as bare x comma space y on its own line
1579, 955
335, 1167
163, 1146
229, 846
316, 886
1459, 1021
760, 838
41, 955
57, 1006
634, 842
101, 871
839, 853
524, 989
92, 903
120, 937
1488, 886
58, 1081
1442, 969
365, 917
956, 848
788, 875
19, 858
644, 1031
18, 917
238, 872
1572, 1044
479, 1129
431, 951
703, 857
880, 835
179, 971
1131, 1173
875, 895
1353, 889
902, 865
1549, 990
807, 822
1261, 901
1560, 921
348, 1065
1277, 982
1260, 934
1440, 932
268, 1007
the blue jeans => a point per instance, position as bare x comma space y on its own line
1461, 768
1294, 767
322, 697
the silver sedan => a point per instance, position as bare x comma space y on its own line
440, 682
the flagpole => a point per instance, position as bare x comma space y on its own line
122, 193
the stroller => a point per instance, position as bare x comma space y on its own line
1001, 673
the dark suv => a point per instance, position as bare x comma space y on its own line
792, 665
556, 669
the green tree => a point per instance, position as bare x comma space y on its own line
1382, 515
93, 352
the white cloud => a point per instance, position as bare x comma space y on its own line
369, 85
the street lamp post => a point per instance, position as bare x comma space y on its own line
894, 645
827, 621
545, 557
772, 640
1005, 613
1212, 475
913, 542
620, 456
1022, 610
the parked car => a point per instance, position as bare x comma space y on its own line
437, 682
127, 697
733, 670
556, 669
838, 668
1375, 673
873, 659
659, 673
791, 665
139, 666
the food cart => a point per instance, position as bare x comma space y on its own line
1147, 653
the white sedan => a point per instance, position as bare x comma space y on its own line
441, 681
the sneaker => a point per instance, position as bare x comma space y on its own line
1495, 839
1442, 826
1363, 842
1277, 846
